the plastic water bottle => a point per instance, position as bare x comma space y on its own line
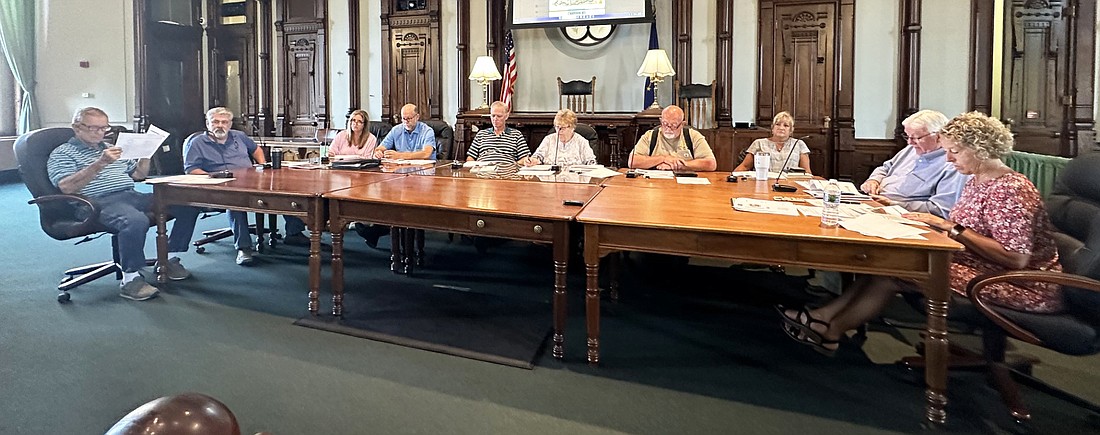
830, 213
762, 162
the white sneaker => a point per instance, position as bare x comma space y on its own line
244, 258
138, 290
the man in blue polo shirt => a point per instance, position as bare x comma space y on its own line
88, 166
410, 140
223, 148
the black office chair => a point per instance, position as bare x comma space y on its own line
409, 250
210, 236
64, 216
1074, 208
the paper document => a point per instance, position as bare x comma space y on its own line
878, 225
141, 145
529, 171
601, 172
536, 168
764, 206
188, 179
692, 180
654, 173
475, 163
409, 161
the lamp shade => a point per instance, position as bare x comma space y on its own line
656, 64
485, 69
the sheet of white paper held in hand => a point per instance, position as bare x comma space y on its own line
141, 145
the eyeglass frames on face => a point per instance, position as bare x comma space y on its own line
909, 138
671, 125
96, 128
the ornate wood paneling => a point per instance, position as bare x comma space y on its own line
681, 40
724, 61
981, 55
909, 65
411, 72
304, 69
1035, 97
806, 69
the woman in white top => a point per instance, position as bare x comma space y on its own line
356, 140
776, 146
564, 148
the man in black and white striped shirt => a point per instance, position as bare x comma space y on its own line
88, 166
500, 144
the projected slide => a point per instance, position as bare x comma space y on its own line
565, 12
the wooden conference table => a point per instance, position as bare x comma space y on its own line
623, 214
276, 191
519, 210
663, 217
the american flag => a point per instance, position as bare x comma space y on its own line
509, 85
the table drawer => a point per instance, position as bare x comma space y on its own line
526, 229
278, 203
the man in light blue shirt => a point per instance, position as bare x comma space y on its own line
918, 178
411, 140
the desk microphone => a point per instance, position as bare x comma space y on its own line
783, 187
557, 145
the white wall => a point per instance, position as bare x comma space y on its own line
64, 40
703, 54
370, 30
944, 52
339, 63
876, 69
745, 57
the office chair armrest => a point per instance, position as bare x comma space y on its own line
81, 202
1065, 279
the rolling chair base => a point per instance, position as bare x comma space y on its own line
81, 275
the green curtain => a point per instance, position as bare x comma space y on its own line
17, 38
1041, 169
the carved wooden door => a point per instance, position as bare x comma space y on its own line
411, 69
1035, 73
798, 72
301, 31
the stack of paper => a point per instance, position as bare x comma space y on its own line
141, 145
654, 173
475, 163
764, 206
878, 225
188, 179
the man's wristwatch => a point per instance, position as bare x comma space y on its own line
954, 232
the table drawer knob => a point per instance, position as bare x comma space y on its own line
294, 204
480, 223
261, 203
861, 257
538, 229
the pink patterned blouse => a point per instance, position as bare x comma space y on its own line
1009, 210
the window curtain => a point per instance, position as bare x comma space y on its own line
17, 28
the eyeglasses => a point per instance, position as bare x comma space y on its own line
671, 124
96, 128
909, 138
357, 121
563, 127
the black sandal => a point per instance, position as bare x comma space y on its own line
804, 333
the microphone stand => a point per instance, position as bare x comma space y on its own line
777, 187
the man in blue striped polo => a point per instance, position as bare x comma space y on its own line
499, 144
88, 166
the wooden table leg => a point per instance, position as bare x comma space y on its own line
561, 264
935, 343
407, 236
396, 263
315, 228
592, 292
337, 269
260, 230
160, 211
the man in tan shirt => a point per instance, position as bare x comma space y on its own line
673, 151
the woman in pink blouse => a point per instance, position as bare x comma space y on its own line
999, 219
356, 140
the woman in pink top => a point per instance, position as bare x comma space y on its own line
357, 140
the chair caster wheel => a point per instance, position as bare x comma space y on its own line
63, 297
200, 250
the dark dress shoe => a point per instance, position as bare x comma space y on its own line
371, 233
296, 240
